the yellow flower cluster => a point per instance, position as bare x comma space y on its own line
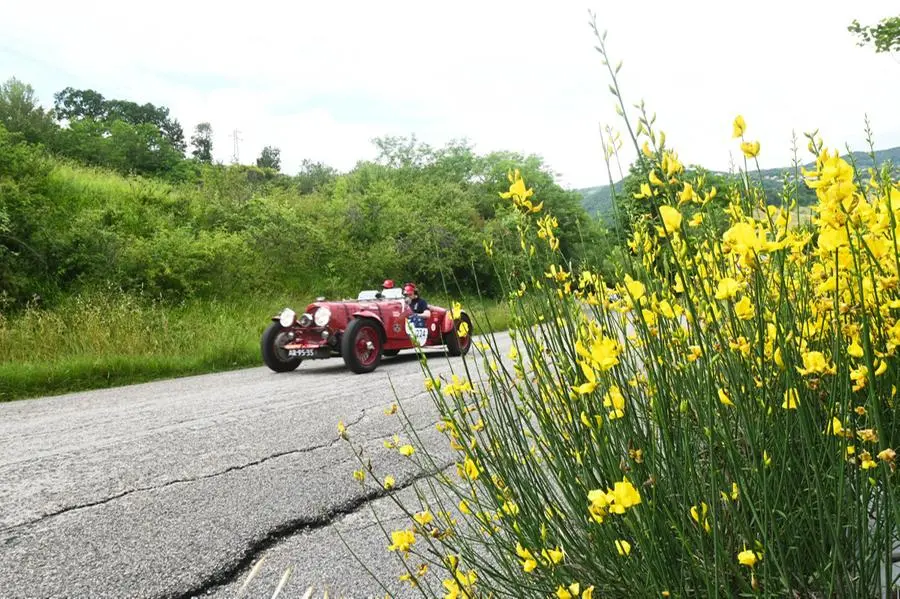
402, 540
549, 557
461, 586
737, 348
617, 500
519, 194
753, 271
574, 590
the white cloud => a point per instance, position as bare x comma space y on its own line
320, 80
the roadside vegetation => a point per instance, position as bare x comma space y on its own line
122, 259
103, 339
108, 208
706, 407
724, 424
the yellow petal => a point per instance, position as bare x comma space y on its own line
750, 149
738, 127
723, 397
671, 218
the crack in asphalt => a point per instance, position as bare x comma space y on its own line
227, 574
238, 467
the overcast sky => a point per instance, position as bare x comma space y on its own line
320, 80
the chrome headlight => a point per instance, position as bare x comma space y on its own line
322, 316
287, 317
306, 319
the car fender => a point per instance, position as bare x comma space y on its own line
448, 324
373, 316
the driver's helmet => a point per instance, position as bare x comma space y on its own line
388, 284
409, 289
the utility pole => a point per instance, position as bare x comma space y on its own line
235, 159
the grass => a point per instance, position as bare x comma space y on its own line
99, 340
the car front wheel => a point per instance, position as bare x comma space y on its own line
458, 345
361, 345
273, 352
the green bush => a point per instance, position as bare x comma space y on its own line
217, 231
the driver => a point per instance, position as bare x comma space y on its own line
417, 304
388, 284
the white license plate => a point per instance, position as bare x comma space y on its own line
302, 353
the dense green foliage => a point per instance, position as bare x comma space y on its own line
20, 112
415, 213
75, 105
99, 192
121, 259
91, 129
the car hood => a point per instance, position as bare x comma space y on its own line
342, 304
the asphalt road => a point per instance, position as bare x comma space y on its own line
176, 488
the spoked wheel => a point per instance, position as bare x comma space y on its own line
272, 345
459, 345
361, 345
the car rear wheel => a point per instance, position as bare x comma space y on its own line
361, 345
458, 345
273, 352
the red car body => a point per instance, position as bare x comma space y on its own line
360, 331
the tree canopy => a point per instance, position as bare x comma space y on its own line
884, 35
269, 158
77, 104
20, 112
202, 142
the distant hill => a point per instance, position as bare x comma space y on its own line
598, 202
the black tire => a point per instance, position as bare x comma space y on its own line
456, 345
362, 345
390, 353
273, 352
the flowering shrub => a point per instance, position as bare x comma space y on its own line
720, 420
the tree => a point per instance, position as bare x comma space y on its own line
885, 36
402, 152
313, 176
76, 104
120, 134
270, 158
148, 114
202, 142
21, 113
120, 145
141, 148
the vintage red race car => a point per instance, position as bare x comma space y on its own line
361, 331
